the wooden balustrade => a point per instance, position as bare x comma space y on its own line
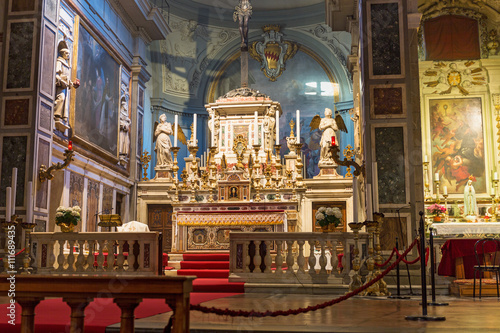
78, 291
96, 252
283, 257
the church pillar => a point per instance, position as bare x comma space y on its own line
389, 100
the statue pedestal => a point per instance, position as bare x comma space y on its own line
60, 126
328, 170
163, 173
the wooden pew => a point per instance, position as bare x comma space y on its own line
78, 291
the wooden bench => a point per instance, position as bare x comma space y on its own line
78, 291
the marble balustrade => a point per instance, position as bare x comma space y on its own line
285, 257
96, 253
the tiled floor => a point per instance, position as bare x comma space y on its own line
358, 314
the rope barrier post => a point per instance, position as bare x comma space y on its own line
398, 285
433, 282
424, 316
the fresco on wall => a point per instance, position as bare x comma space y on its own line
97, 98
304, 86
457, 143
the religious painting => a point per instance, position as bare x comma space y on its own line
241, 129
457, 143
96, 105
341, 205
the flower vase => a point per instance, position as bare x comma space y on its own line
67, 227
437, 218
324, 228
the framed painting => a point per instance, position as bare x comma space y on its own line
95, 107
457, 143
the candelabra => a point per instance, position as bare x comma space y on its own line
175, 169
427, 191
194, 173
493, 207
8, 226
212, 177
356, 282
299, 165
255, 174
28, 228
446, 213
47, 174
358, 169
379, 218
145, 159
291, 140
278, 167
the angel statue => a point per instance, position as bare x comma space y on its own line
329, 126
162, 132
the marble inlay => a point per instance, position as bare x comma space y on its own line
45, 116
92, 205
19, 66
388, 101
390, 152
47, 77
17, 111
107, 199
43, 159
386, 52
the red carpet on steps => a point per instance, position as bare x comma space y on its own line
212, 270
53, 315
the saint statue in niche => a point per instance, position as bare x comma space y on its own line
63, 83
124, 131
233, 192
162, 132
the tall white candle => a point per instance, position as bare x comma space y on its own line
277, 127
298, 126
256, 128
425, 159
436, 176
176, 122
8, 204
493, 192
495, 176
375, 186
355, 199
194, 128
14, 190
445, 190
369, 210
29, 203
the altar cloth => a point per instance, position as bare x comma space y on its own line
467, 228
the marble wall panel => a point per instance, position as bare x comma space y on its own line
17, 111
20, 45
391, 228
140, 133
385, 34
48, 53
13, 156
42, 188
390, 156
45, 116
21, 6
50, 10
76, 189
107, 200
41, 226
92, 205
388, 102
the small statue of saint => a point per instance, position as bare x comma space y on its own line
162, 132
470, 203
124, 130
63, 82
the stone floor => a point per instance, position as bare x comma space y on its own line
358, 314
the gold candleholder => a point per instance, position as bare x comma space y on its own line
446, 214
28, 228
427, 190
493, 208
299, 165
374, 289
436, 182
175, 169
382, 285
356, 282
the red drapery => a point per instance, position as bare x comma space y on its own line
451, 37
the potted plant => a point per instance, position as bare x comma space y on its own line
67, 217
436, 210
327, 217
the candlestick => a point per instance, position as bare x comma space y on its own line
277, 126
298, 126
495, 176
375, 186
194, 129
70, 145
14, 190
445, 190
425, 159
355, 199
256, 128
176, 122
436, 177
8, 204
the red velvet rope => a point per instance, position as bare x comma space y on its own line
241, 313
18, 253
394, 250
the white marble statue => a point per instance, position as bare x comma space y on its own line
63, 83
269, 126
162, 133
470, 203
214, 125
124, 130
329, 126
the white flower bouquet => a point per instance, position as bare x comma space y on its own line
68, 215
326, 216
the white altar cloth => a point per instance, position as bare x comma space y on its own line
467, 228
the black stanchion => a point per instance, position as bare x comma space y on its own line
398, 295
424, 316
433, 282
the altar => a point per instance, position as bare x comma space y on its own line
467, 229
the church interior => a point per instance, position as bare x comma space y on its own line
280, 148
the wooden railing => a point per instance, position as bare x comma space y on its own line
96, 253
78, 291
280, 257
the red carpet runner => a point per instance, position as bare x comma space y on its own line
53, 315
212, 270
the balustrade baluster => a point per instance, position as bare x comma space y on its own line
90, 256
279, 258
71, 256
246, 257
80, 260
121, 257
322, 257
267, 258
51, 257
60, 257
100, 256
289, 257
141, 255
301, 260
111, 255
133, 260
257, 259
312, 257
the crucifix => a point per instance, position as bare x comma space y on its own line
242, 13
